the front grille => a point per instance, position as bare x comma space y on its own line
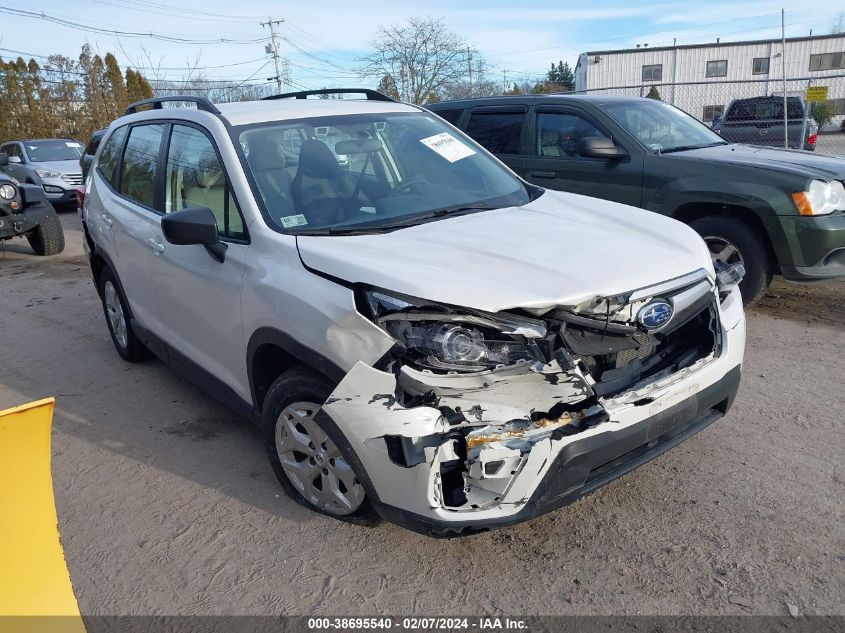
72, 179
626, 354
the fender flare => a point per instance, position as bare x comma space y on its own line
301, 353
760, 198
32, 194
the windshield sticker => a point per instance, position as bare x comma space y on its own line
447, 146
73, 144
290, 221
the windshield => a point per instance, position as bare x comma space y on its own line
371, 171
661, 127
46, 151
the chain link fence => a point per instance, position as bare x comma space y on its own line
752, 111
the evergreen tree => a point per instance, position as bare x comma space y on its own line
116, 96
561, 76
31, 92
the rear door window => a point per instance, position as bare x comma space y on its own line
498, 132
110, 153
140, 161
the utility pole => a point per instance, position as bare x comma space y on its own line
271, 24
469, 68
504, 81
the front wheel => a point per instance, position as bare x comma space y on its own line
731, 241
307, 461
48, 238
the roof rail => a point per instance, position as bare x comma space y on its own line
156, 102
372, 95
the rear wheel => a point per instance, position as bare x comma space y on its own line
731, 241
48, 238
306, 459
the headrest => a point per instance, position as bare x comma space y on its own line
208, 171
317, 161
264, 152
549, 137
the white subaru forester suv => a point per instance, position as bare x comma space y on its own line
419, 334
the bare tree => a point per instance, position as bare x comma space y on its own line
482, 85
420, 57
838, 25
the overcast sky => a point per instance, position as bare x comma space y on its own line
324, 39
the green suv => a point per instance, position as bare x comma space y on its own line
776, 211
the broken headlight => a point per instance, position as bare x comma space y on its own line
446, 339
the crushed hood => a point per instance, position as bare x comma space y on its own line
560, 249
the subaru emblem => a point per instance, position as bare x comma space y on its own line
655, 315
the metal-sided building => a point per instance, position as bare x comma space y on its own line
703, 78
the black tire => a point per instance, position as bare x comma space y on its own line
302, 385
48, 238
129, 346
751, 248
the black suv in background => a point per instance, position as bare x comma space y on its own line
777, 211
88, 157
759, 121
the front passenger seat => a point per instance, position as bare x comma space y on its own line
321, 189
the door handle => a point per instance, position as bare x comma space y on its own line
158, 247
108, 220
543, 173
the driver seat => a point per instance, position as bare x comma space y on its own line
269, 168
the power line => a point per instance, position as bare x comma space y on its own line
326, 48
102, 31
174, 11
316, 58
241, 85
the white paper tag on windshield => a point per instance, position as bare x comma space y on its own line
447, 146
290, 221
69, 144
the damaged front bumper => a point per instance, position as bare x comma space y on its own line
452, 454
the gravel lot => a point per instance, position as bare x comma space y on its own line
167, 503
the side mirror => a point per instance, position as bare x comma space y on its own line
196, 225
15, 160
4, 159
598, 147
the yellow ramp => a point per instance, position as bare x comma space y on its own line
34, 579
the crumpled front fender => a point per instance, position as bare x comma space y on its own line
458, 443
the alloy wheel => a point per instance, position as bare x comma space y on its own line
114, 311
313, 463
723, 250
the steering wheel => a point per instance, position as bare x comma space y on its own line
408, 185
